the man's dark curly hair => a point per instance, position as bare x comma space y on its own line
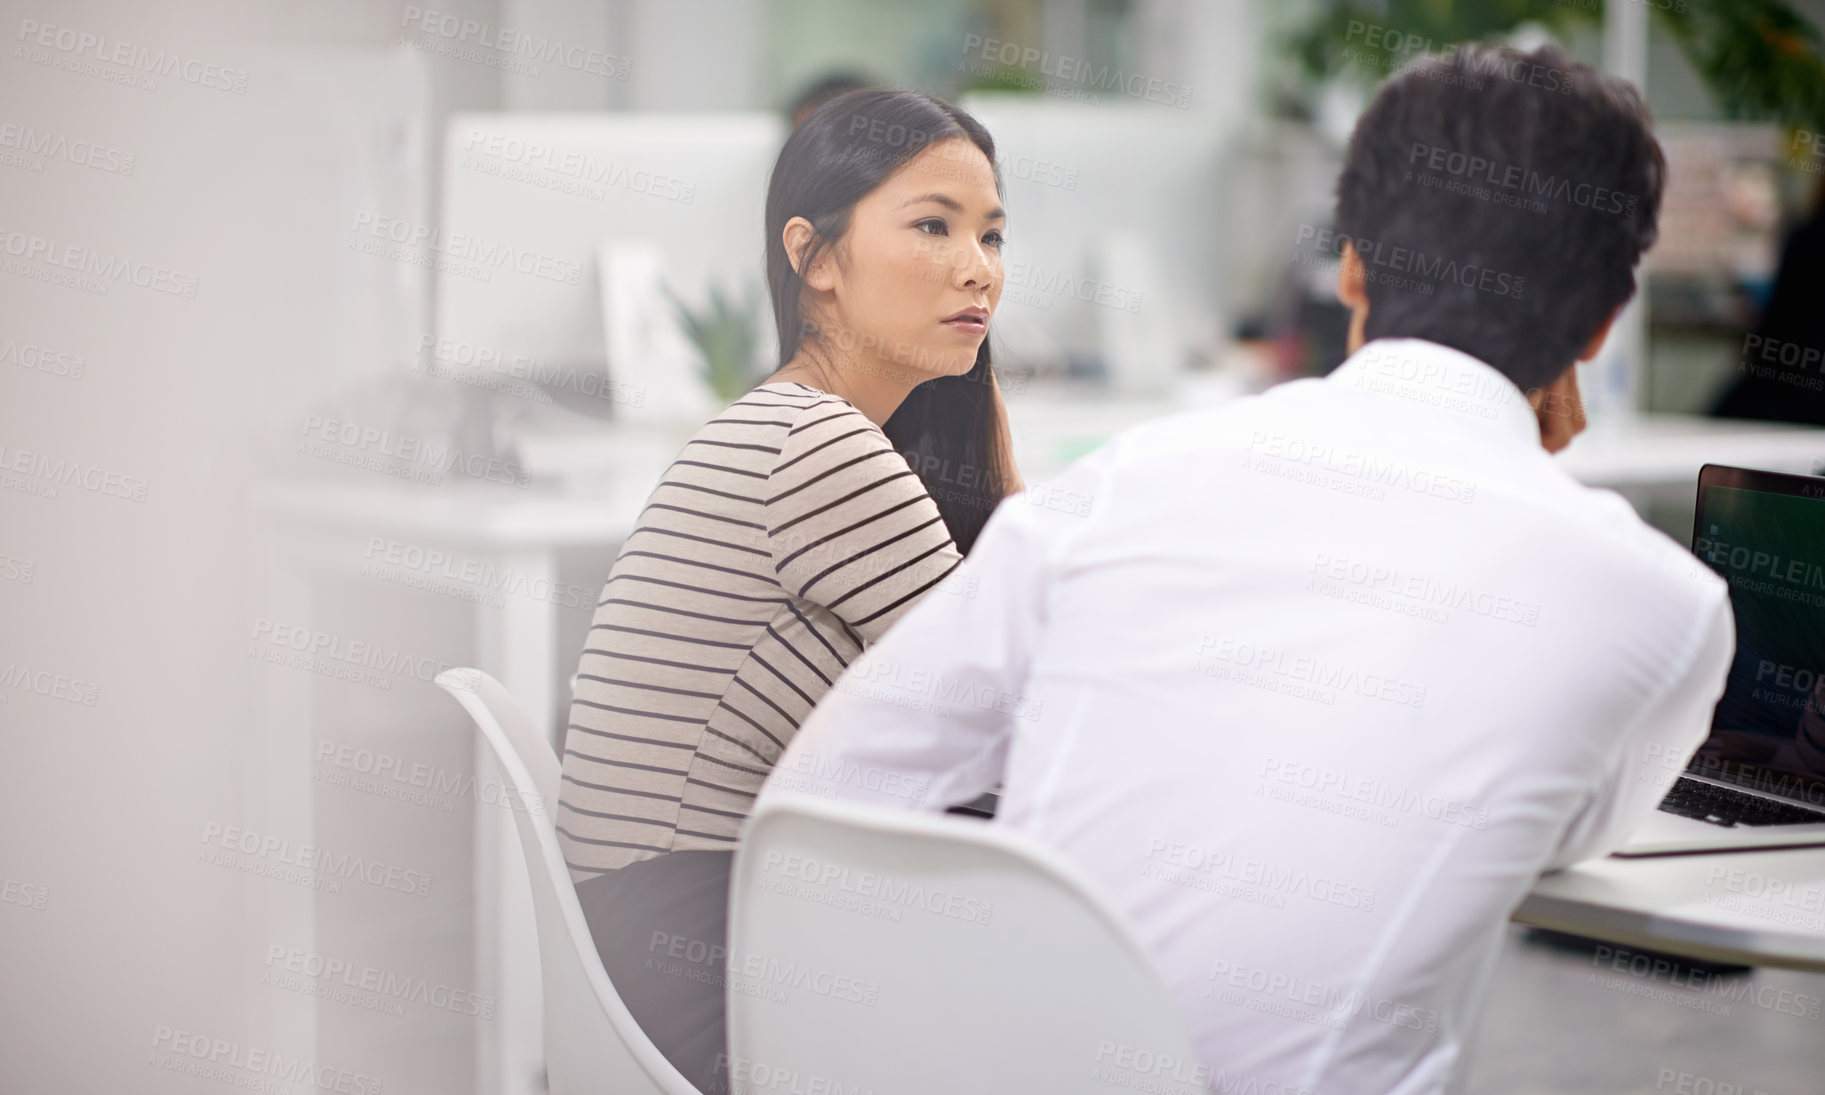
1513, 193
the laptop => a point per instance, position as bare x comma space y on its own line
1759, 780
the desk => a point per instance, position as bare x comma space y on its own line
322, 525
321, 530
1051, 428
1715, 906
1666, 450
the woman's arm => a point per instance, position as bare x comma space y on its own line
906, 725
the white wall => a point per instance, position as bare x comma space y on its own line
696, 54
114, 930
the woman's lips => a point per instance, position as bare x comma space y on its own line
969, 322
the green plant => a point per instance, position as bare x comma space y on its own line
724, 334
1367, 41
1761, 59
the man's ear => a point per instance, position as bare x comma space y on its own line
1353, 293
1352, 280
797, 236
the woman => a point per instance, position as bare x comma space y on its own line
792, 531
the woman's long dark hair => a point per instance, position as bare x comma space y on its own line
947, 428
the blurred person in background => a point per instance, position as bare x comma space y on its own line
1328, 675
1782, 369
822, 90
788, 535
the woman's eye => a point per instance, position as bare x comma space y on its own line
995, 240
942, 228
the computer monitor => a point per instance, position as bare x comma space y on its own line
530, 199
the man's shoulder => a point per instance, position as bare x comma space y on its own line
1624, 566
1604, 521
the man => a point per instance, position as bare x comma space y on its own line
1313, 684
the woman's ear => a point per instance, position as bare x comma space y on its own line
798, 236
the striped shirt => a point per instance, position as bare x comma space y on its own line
786, 536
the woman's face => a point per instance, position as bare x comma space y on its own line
912, 285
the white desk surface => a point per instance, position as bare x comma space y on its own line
477, 513
1666, 449
1052, 427
1694, 905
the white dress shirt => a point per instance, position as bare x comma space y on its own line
1312, 684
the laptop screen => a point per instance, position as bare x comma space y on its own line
1765, 534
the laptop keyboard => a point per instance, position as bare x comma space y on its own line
1727, 807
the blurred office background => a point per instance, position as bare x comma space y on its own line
341, 340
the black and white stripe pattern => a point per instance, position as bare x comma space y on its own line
786, 536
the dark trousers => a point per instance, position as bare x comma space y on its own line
661, 926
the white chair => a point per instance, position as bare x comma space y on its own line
592, 1044
891, 951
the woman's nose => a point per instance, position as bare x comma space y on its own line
974, 268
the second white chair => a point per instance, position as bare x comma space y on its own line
887, 951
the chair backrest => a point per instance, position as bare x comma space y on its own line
894, 952
593, 1046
